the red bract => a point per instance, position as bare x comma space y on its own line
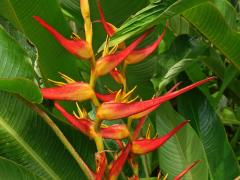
107, 63
78, 47
138, 55
84, 125
101, 164
179, 176
117, 76
118, 164
138, 128
106, 97
118, 131
144, 113
78, 91
135, 56
110, 31
147, 145
111, 110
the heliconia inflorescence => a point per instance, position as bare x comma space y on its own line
77, 47
116, 104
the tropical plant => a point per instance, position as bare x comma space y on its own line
110, 118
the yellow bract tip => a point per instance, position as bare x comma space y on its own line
165, 178
57, 83
148, 132
82, 113
66, 78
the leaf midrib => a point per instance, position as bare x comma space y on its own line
28, 149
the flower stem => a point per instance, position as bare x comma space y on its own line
63, 139
92, 77
95, 101
98, 137
99, 143
97, 124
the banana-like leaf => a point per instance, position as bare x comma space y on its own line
25, 138
29, 142
16, 72
153, 14
21, 38
112, 12
52, 57
11, 170
221, 161
182, 149
23, 87
212, 24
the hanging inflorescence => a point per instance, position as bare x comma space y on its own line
115, 105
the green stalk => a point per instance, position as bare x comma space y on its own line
89, 174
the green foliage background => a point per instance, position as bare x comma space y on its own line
202, 40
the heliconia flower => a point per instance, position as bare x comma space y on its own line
146, 112
138, 55
112, 110
143, 113
138, 128
145, 146
101, 164
86, 126
118, 164
78, 91
107, 63
106, 97
77, 47
179, 176
117, 131
118, 77
118, 96
108, 28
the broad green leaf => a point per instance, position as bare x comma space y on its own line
179, 25
28, 141
155, 13
25, 138
52, 57
23, 87
173, 72
230, 74
195, 73
228, 12
10, 170
184, 54
220, 158
113, 14
229, 79
16, 72
140, 74
182, 149
21, 38
215, 63
14, 60
212, 24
